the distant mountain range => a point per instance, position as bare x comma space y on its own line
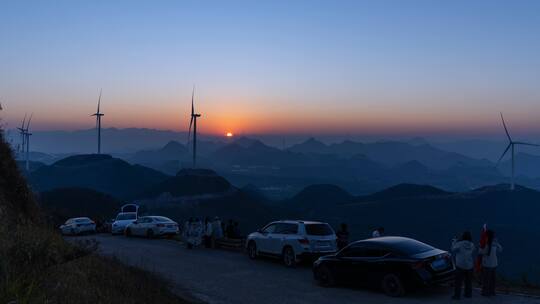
357, 167
98, 172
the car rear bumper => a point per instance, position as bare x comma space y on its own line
438, 278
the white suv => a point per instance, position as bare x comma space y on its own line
292, 241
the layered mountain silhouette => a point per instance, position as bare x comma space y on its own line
358, 167
102, 173
189, 182
526, 164
63, 203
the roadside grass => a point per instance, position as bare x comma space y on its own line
110, 281
38, 266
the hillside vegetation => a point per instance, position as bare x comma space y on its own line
38, 266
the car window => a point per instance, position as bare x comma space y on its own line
360, 251
411, 247
83, 220
286, 228
319, 229
270, 228
161, 219
127, 216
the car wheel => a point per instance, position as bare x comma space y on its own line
150, 233
289, 258
325, 277
128, 232
252, 250
392, 285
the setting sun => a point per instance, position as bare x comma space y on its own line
229, 134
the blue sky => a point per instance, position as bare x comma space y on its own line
274, 66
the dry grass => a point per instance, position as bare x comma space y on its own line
38, 266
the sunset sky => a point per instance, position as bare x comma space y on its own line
328, 67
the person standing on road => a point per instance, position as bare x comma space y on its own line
490, 263
463, 250
342, 236
217, 231
207, 233
378, 232
229, 230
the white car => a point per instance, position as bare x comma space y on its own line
78, 225
123, 219
152, 226
292, 241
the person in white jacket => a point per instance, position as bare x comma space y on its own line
463, 250
490, 263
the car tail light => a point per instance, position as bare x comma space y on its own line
303, 241
419, 265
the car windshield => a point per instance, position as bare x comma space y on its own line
82, 220
411, 247
319, 229
122, 217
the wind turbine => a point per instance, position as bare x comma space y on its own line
22, 131
98, 116
511, 145
27, 135
193, 122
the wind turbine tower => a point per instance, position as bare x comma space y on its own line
511, 145
193, 122
22, 131
98, 116
27, 135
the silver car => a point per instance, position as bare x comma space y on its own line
292, 241
152, 226
78, 225
123, 219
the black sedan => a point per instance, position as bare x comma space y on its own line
394, 264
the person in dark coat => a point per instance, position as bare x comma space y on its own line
342, 236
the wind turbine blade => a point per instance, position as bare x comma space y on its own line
506, 129
24, 120
192, 101
99, 101
504, 153
29, 120
526, 144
